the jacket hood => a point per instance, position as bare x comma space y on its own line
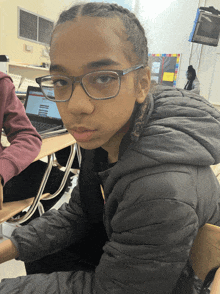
178, 128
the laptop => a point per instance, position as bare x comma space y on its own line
43, 113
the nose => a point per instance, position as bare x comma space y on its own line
80, 102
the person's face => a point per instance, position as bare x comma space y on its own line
83, 46
189, 75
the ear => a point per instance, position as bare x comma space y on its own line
143, 86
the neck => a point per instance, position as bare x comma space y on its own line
112, 146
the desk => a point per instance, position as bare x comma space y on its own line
49, 145
48, 148
53, 144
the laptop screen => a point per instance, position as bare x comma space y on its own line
37, 104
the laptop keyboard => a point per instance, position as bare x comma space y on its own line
41, 126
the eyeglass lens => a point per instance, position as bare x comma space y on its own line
98, 85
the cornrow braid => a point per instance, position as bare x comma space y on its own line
134, 30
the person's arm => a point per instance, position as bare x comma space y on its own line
196, 86
8, 251
53, 231
23, 137
1, 193
152, 233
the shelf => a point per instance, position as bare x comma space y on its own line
27, 71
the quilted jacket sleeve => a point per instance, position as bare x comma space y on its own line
152, 233
149, 246
53, 231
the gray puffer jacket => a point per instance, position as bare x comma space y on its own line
160, 192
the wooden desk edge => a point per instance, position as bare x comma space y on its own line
12, 208
53, 144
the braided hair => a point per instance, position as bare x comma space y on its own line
134, 30
89, 182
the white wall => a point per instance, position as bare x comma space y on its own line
10, 43
168, 25
210, 66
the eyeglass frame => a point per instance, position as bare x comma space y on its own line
79, 79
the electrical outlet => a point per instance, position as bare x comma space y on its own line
28, 48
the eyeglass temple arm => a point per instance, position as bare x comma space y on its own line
132, 69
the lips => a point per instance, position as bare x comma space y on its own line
82, 134
82, 130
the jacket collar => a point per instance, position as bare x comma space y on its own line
140, 117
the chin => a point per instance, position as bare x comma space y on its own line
89, 145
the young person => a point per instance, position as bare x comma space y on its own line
25, 141
192, 81
19, 177
147, 155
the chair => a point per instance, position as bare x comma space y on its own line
10, 209
216, 170
205, 252
216, 283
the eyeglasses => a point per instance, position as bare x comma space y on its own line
98, 85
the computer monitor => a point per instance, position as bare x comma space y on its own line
37, 104
206, 29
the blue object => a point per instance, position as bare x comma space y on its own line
194, 26
206, 28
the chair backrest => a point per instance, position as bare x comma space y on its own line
205, 252
216, 170
215, 288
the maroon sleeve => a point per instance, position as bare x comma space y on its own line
24, 139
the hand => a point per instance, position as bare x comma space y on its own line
1, 194
8, 251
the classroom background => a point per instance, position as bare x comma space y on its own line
26, 26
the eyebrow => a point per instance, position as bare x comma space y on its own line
90, 65
56, 67
100, 63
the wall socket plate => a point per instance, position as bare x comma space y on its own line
28, 48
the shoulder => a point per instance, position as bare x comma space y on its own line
168, 181
6, 86
166, 95
5, 79
158, 205
170, 186
169, 190
167, 197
